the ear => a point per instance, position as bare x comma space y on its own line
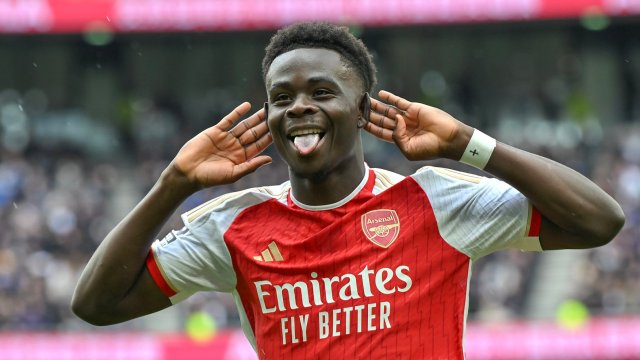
365, 108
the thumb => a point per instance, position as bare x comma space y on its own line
400, 132
251, 165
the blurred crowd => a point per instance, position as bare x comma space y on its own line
59, 198
609, 276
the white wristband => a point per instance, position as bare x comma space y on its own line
478, 150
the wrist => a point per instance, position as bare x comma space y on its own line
478, 150
175, 183
458, 142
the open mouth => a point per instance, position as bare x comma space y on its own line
305, 141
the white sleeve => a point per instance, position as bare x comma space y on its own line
196, 258
193, 259
478, 215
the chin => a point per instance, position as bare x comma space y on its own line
309, 170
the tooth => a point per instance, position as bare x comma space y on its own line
305, 132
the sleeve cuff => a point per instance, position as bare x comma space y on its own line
534, 223
158, 277
531, 240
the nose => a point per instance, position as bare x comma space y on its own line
301, 106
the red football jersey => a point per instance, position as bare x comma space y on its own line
381, 274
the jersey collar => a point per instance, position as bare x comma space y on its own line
366, 183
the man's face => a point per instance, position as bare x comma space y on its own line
313, 111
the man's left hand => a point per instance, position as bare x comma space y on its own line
422, 132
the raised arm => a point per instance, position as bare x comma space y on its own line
115, 285
576, 213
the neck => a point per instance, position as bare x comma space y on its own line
330, 187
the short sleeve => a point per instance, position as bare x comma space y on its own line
479, 215
196, 258
192, 259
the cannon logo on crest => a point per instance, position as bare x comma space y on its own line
381, 226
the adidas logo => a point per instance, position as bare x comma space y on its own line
271, 253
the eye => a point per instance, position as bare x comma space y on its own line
321, 93
280, 98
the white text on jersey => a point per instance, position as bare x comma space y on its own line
352, 286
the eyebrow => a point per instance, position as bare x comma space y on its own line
312, 80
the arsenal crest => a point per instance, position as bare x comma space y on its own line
381, 226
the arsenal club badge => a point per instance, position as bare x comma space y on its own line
381, 226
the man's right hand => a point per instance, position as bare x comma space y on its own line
115, 286
224, 153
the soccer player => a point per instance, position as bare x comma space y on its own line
341, 261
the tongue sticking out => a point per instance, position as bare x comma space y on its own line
306, 143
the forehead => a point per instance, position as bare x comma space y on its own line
308, 63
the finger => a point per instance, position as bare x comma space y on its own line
234, 116
254, 133
254, 148
379, 132
248, 123
382, 121
395, 100
386, 110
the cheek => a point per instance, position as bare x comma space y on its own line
279, 140
346, 121
343, 111
273, 122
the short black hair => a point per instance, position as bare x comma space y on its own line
323, 35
